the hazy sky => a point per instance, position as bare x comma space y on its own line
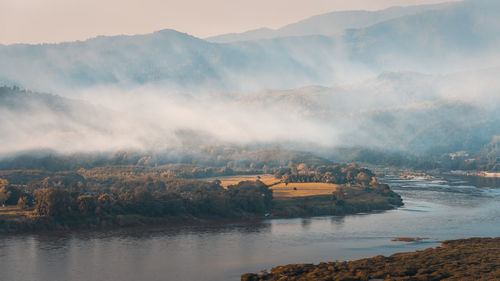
36, 21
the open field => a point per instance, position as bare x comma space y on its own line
14, 212
303, 189
282, 190
226, 181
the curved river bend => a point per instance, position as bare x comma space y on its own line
437, 209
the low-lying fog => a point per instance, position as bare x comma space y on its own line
419, 82
404, 111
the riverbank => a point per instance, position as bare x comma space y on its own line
144, 253
113, 198
484, 174
345, 201
464, 259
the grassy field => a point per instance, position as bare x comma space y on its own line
268, 179
14, 212
281, 190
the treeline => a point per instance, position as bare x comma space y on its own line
169, 170
178, 197
486, 159
10, 195
335, 174
109, 177
220, 158
132, 194
115, 178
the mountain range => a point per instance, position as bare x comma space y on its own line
328, 24
406, 111
429, 39
422, 80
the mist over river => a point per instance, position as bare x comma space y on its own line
442, 208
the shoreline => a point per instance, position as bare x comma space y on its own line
51, 225
163, 200
483, 174
462, 259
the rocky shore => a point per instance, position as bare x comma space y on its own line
464, 259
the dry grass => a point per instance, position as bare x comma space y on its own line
14, 212
303, 189
281, 190
267, 179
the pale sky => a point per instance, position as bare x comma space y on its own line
48, 21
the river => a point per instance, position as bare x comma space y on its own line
442, 208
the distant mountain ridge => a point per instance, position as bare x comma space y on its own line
406, 111
328, 24
166, 58
453, 37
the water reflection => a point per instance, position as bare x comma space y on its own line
306, 224
481, 181
337, 222
439, 209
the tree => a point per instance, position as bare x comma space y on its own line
302, 168
53, 202
251, 196
23, 203
4, 192
4, 196
86, 204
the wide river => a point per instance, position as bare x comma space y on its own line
438, 209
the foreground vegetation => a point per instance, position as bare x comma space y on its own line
113, 196
465, 259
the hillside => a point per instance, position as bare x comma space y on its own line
434, 38
32, 120
328, 24
165, 59
404, 111
428, 41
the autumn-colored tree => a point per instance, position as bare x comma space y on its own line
86, 204
53, 202
23, 203
4, 192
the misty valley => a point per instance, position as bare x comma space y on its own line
350, 145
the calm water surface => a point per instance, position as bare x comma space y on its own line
439, 209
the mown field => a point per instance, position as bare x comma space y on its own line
303, 189
14, 212
282, 190
226, 181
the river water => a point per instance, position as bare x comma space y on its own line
438, 209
